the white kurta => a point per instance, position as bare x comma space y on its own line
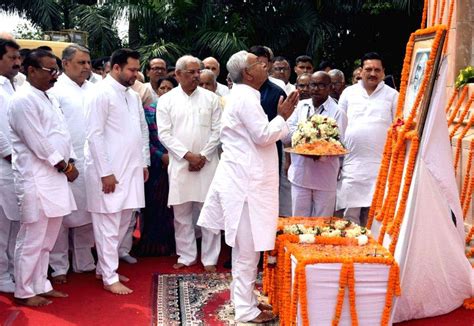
247, 172
189, 123
369, 118
304, 171
71, 98
116, 143
40, 140
222, 89
8, 199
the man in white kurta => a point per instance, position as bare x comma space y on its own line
71, 91
9, 212
370, 106
314, 181
213, 65
41, 149
188, 121
243, 197
116, 160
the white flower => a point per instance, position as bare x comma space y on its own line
307, 238
341, 224
362, 240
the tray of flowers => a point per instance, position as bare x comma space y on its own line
317, 136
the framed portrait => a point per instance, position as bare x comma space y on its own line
423, 49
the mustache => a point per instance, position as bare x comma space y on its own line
16, 67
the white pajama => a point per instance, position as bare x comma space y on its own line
109, 230
82, 240
34, 242
312, 202
8, 232
244, 271
186, 238
127, 241
357, 215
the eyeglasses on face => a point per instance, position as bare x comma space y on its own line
318, 85
255, 63
302, 85
52, 71
193, 71
280, 69
157, 69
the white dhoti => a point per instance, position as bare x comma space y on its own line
244, 271
127, 241
312, 202
82, 241
8, 232
184, 224
34, 242
109, 230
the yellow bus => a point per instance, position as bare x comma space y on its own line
57, 47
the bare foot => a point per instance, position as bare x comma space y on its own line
35, 301
118, 288
181, 265
122, 278
54, 294
210, 268
60, 279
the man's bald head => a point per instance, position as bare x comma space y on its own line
212, 64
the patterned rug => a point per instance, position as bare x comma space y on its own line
194, 299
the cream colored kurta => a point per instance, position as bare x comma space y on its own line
247, 172
189, 123
40, 140
116, 143
369, 118
71, 98
8, 199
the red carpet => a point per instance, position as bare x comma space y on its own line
89, 304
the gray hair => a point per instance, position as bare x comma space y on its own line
236, 64
336, 73
305, 74
210, 73
70, 51
185, 60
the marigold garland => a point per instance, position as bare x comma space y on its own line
441, 15
467, 175
451, 100
459, 142
424, 15
464, 112
433, 15
450, 19
458, 106
469, 303
468, 199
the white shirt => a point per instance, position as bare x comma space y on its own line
8, 200
222, 89
248, 170
304, 171
71, 98
40, 140
189, 123
95, 78
116, 143
289, 87
280, 83
369, 118
152, 91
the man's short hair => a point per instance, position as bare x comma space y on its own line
148, 66
304, 58
210, 73
236, 65
260, 51
280, 58
182, 62
326, 64
70, 51
120, 57
3, 46
336, 73
371, 56
33, 58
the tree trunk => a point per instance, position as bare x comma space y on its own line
133, 33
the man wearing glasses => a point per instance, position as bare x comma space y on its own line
370, 106
41, 153
314, 179
188, 124
281, 70
155, 70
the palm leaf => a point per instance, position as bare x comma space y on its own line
168, 51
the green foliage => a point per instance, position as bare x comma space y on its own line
27, 32
465, 76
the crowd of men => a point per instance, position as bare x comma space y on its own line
75, 157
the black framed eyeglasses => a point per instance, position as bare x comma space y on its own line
318, 85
